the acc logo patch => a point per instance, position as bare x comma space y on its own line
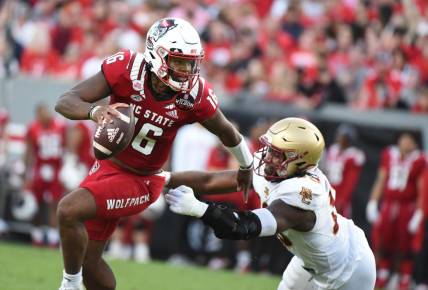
137, 98
306, 194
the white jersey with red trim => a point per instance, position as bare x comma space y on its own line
331, 248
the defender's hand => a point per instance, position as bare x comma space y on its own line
245, 179
182, 201
105, 113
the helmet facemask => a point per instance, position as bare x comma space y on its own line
274, 163
182, 71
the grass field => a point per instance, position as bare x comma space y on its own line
26, 268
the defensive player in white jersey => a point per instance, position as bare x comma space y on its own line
330, 251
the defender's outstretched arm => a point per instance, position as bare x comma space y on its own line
204, 183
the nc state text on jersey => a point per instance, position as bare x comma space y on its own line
152, 116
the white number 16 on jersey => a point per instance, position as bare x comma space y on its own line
147, 148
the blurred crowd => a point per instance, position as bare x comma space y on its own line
366, 54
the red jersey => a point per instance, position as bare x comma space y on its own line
157, 122
218, 159
343, 171
424, 188
402, 174
85, 150
48, 147
382, 92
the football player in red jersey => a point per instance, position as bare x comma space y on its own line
343, 163
45, 143
166, 92
79, 156
397, 184
421, 240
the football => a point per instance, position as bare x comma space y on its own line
111, 138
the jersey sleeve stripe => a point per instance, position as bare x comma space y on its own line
131, 58
142, 71
195, 90
199, 90
136, 66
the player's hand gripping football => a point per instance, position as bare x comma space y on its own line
105, 113
182, 201
245, 179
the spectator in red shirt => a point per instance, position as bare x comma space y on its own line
38, 57
382, 86
421, 105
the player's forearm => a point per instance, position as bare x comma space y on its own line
205, 183
223, 129
72, 107
229, 136
76, 103
28, 159
377, 191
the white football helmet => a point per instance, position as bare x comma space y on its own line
174, 40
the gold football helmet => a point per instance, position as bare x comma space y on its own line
291, 147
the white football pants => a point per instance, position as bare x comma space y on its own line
363, 278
